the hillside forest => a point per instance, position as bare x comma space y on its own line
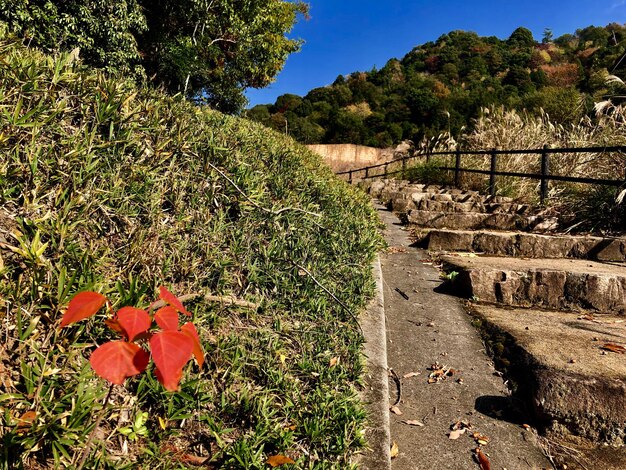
443, 86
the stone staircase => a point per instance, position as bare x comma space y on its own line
552, 306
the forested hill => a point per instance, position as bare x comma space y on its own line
443, 85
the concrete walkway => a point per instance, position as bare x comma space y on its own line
426, 328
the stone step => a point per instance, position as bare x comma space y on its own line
400, 203
574, 386
546, 283
390, 195
478, 221
525, 245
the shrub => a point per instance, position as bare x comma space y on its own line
113, 189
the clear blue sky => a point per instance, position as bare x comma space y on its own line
345, 36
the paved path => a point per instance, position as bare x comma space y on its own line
429, 328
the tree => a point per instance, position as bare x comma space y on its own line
210, 50
104, 30
214, 50
521, 37
548, 36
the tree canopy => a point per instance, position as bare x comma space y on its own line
444, 85
210, 50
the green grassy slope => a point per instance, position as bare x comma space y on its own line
109, 188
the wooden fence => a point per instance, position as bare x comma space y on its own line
544, 176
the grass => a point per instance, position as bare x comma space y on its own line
111, 188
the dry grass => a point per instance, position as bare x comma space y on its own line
509, 130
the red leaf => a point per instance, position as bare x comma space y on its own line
134, 321
167, 297
114, 325
190, 330
171, 350
167, 318
116, 360
83, 305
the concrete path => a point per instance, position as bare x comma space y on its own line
430, 328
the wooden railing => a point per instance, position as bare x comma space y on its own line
544, 176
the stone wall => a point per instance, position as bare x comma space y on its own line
342, 157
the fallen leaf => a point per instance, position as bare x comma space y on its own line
334, 361
193, 459
483, 461
25, 422
394, 450
413, 422
454, 435
481, 439
616, 348
410, 374
395, 410
278, 460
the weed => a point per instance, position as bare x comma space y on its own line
427, 173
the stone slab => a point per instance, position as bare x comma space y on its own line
547, 283
554, 365
528, 245
466, 221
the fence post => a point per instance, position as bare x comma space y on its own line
428, 156
457, 168
404, 167
492, 173
545, 171
367, 172
386, 165
350, 177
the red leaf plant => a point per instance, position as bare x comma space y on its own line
172, 347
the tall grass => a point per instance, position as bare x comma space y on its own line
116, 189
504, 129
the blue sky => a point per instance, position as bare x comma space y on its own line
345, 36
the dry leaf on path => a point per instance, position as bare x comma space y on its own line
454, 435
413, 422
334, 361
394, 450
616, 348
395, 410
410, 374
483, 461
278, 460
481, 439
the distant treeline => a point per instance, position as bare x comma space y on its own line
443, 85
